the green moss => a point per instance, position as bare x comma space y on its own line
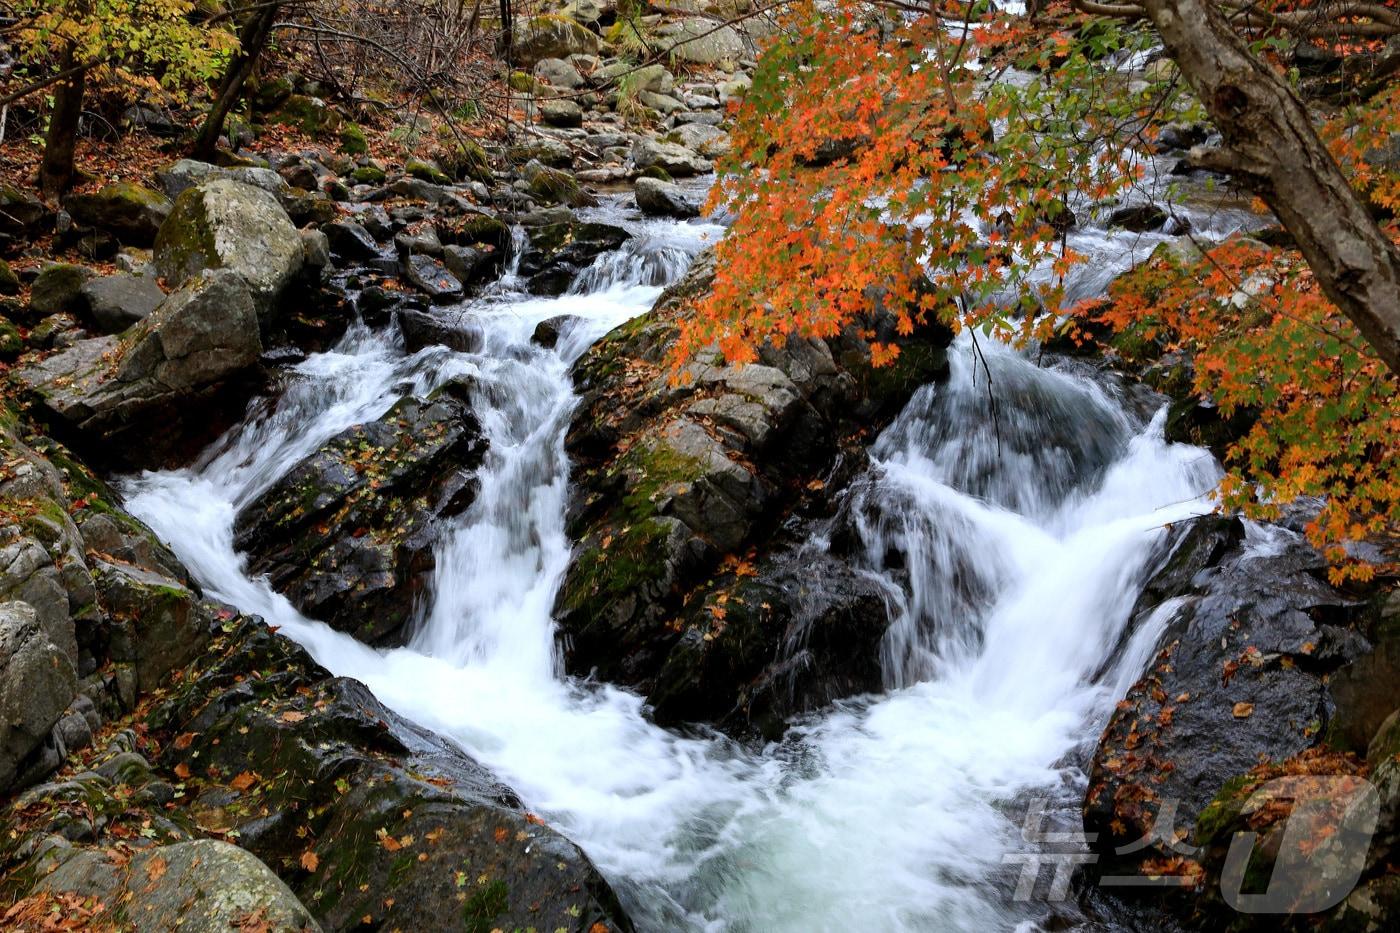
657, 172
424, 170
308, 114
185, 244
467, 160
368, 175
483, 907
521, 82
555, 187
352, 140
1220, 814
11, 343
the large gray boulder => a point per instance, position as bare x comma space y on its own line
697, 39
116, 302
162, 370
677, 160
200, 886
226, 224
657, 198
37, 683
178, 177
551, 36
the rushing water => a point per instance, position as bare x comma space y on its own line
1022, 539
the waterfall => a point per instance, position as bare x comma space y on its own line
1018, 541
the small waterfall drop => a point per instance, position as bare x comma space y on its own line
1017, 544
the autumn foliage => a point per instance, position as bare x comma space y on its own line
876, 156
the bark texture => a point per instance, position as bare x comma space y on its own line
1270, 144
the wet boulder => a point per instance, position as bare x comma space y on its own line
226, 224
158, 386
558, 251
361, 812
678, 481
444, 328
785, 638
1251, 637
349, 239
431, 277
657, 198
675, 159
347, 534
132, 212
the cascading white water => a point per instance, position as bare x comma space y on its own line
888, 812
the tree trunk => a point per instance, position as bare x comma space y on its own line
252, 39
56, 168
1270, 144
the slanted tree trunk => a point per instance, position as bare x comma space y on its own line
56, 167
1270, 144
252, 39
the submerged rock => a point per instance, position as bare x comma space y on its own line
347, 534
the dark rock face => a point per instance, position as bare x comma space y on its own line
359, 813
1242, 676
446, 329
431, 278
347, 534
672, 478
333, 760
166, 386
558, 252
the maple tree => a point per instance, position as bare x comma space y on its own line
930, 165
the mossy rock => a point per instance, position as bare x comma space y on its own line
133, 212
467, 160
656, 172
11, 343
423, 170
555, 186
308, 114
9, 282
523, 83
58, 288
352, 140
368, 175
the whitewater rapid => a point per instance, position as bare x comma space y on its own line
1025, 540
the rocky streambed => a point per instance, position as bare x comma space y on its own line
427, 599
